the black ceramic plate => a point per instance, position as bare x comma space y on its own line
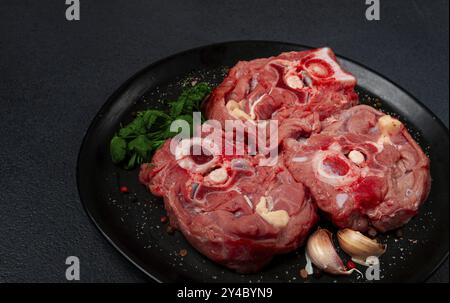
132, 222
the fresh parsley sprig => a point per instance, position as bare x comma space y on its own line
136, 142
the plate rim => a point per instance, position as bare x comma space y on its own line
123, 250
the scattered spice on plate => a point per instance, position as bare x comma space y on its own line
170, 230
124, 190
183, 253
372, 232
164, 219
318, 273
350, 264
303, 273
133, 198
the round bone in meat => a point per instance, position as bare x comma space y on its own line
185, 154
356, 157
219, 218
374, 185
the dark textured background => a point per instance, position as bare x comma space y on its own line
55, 75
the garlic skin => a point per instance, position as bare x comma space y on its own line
322, 253
358, 246
308, 267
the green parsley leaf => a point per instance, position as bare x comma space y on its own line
118, 149
134, 143
141, 145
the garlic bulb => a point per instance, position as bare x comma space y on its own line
358, 246
322, 253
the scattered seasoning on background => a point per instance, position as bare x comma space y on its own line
318, 273
133, 198
124, 190
351, 264
183, 253
170, 230
372, 232
303, 273
163, 219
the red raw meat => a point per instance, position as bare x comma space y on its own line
363, 169
359, 166
305, 82
233, 211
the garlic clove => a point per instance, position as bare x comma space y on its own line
321, 251
358, 246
